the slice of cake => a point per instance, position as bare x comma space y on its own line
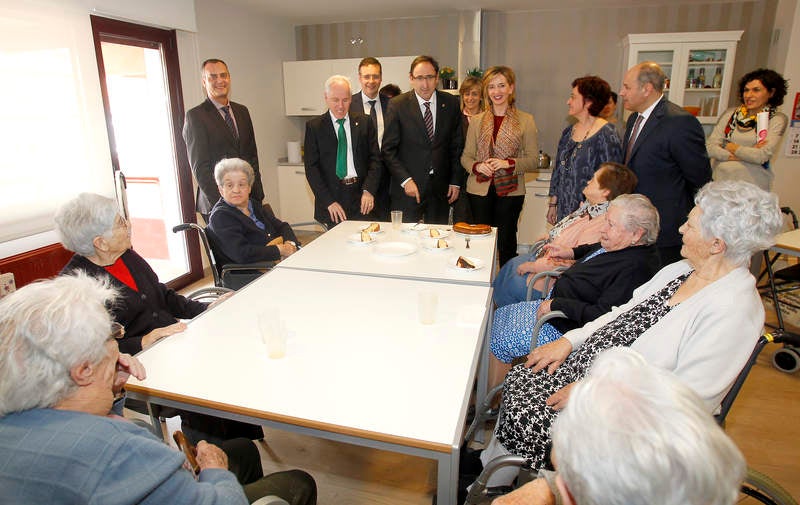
441, 244
365, 236
463, 262
435, 233
373, 227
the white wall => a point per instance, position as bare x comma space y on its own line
254, 46
787, 53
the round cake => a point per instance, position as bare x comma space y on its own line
472, 229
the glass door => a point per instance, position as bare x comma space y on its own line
141, 90
703, 86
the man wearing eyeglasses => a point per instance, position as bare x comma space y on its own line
422, 143
216, 129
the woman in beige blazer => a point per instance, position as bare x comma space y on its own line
500, 147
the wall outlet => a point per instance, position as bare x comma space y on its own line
7, 284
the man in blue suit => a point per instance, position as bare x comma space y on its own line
665, 146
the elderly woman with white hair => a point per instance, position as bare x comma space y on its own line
604, 275
699, 318
62, 440
245, 231
657, 442
90, 226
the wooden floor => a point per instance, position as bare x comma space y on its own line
764, 423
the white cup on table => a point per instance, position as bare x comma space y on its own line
273, 332
428, 302
397, 219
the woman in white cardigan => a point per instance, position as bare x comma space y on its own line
698, 318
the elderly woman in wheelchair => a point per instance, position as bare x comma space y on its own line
604, 275
581, 227
698, 318
62, 439
244, 231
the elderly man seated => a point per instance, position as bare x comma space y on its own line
633, 433
61, 375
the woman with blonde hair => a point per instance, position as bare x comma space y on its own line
500, 147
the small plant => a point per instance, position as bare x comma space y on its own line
475, 72
447, 73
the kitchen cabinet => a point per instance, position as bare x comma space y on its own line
304, 81
296, 197
699, 67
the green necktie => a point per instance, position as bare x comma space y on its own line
341, 152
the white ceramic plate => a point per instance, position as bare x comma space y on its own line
355, 238
414, 227
427, 233
475, 261
471, 236
430, 245
395, 249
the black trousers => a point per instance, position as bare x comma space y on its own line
350, 200
502, 212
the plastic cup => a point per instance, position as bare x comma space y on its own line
273, 332
397, 219
428, 302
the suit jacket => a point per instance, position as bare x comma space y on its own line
587, 290
321, 144
153, 306
408, 152
238, 237
208, 140
669, 157
357, 105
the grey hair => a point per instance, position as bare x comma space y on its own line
228, 165
741, 214
341, 79
651, 72
83, 218
639, 213
46, 329
635, 434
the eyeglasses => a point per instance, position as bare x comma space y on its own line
421, 78
121, 222
117, 331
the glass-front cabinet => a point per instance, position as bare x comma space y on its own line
699, 67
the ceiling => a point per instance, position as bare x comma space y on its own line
335, 11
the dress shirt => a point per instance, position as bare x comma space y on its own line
378, 113
645, 116
351, 167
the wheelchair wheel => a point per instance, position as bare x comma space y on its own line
786, 360
758, 488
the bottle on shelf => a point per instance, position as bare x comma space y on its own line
701, 79
717, 82
690, 83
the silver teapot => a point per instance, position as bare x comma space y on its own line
544, 161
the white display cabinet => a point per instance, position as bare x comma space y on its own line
699, 67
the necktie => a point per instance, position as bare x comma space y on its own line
372, 114
229, 120
341, 151
632, 140
428, 117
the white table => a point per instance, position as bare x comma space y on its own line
786, 243
359, 368
333, 252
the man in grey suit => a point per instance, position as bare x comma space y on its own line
342, 158
422, 144
218, 128
369, 101
665, 146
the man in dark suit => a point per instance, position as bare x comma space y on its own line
665, 146
422, 145
370, 102
217, 129
342, 158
